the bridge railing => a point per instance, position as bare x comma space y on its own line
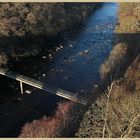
41, 85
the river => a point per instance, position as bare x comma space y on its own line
76, 66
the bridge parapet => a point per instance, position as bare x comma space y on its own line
40, 85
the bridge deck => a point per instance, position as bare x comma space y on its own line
42, 86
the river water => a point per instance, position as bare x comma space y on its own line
75, 67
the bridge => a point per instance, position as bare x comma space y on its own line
40, 85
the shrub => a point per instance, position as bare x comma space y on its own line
61, 124
129, 21
116, 57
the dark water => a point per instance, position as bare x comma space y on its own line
75, 67
72, 68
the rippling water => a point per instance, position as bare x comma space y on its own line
76, 66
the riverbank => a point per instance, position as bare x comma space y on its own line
26, 27
116, 112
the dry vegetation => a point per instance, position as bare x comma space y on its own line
127, 38
117, 112
24, 19
116, 56
48, 127
129, 16
62, 124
